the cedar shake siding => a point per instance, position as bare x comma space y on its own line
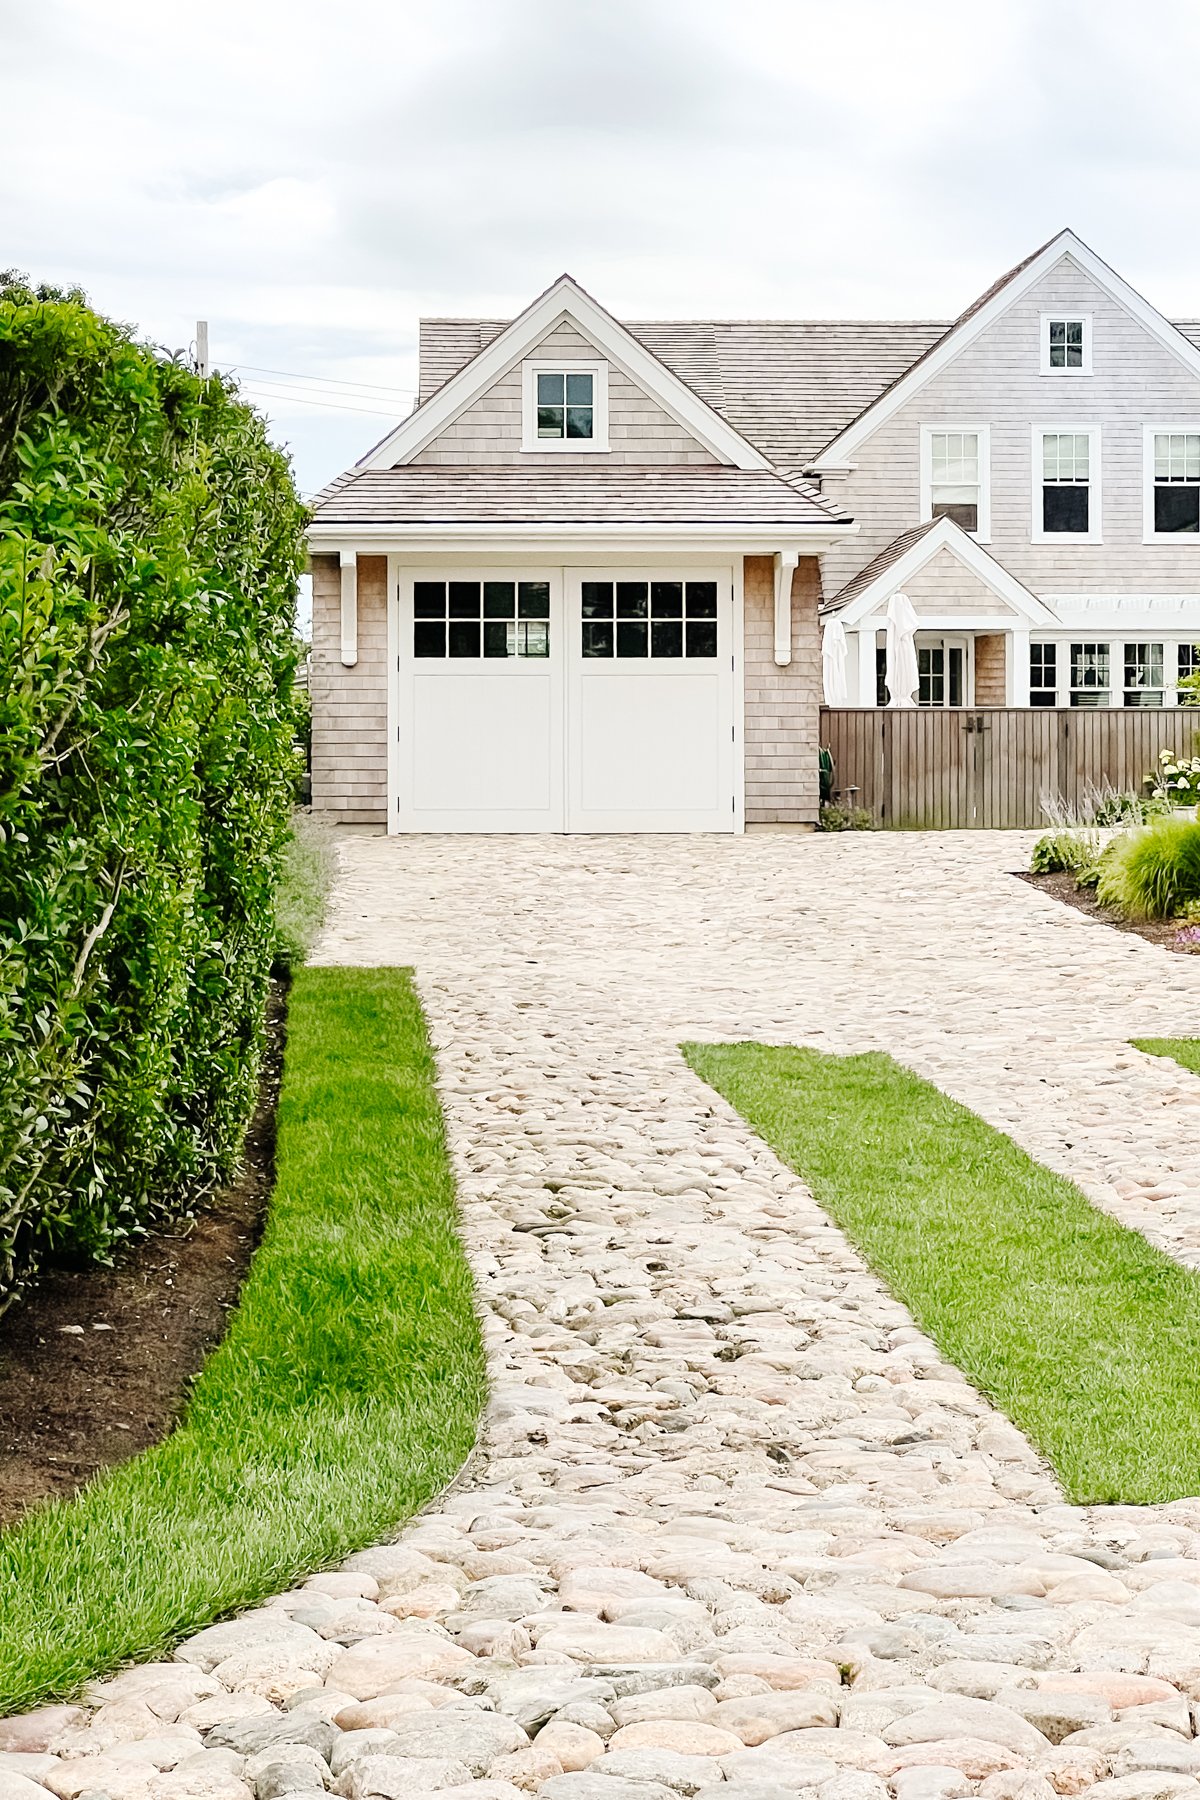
349, 752
944, 587
782, 704
990, 669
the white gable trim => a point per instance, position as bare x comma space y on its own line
1065, 246
945, 535
565, 300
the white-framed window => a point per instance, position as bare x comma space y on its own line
1066, 343
956, 476
1090, 674
1066, 483
1187, 662
1144, 683
1172, 482
564, 406
1043, 674
476, 619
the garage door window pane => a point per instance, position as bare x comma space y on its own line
495, 637
429, 599
597, 600
429, 639
597, 637
631, 640
464, 637
702, 637
666, 599
533, 600
666, 637
499, 599
702, 602
529, 638
633, 602
464, 600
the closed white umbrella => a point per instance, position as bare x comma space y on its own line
833, 664
903, 676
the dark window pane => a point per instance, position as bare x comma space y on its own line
579, 390
631, 640
464, 599
666, 637
533, 600
429, 599
550, 390
1177, 509
955, 677
498, 599
597, 600
597, 638
702, 638
1058, 355
464, 639
633, 599
882, 696
1041, 697
495, 638
963, 512
429, 640
702, 601
533, 637
666, 599
579, 421
1065, 509
550, 421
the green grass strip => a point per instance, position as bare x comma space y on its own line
345, 1394
1184, 1051
1077, 1328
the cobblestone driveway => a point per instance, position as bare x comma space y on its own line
734, 1528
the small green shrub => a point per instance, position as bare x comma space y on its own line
1152, 873
846, 818
1062, 850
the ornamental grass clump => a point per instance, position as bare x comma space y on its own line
1152, 873
150, 544
1063, 851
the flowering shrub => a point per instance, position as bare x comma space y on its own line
1177, 779
150, 543
1188, 938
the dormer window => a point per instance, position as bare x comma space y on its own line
1066, 344
565, 406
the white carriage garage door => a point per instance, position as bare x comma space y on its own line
565, 700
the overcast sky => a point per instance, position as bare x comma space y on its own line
311, 178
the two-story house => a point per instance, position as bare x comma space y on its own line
582, 586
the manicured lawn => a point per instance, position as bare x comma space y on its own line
1086, 1336
1184, 1051
345, 1394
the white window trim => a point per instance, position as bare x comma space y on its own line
558, 446
983, 433
1149, 535
1085, 320
1075, 428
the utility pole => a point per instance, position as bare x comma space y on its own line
202, 368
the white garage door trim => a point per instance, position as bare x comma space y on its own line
559, 742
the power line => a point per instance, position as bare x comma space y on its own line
263, 392
325, 380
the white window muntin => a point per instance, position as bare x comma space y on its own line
1062, 317
529, 406
1070, 466
1176, 460
946, 466
1180, 655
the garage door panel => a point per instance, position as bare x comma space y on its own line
648, 744
481, 745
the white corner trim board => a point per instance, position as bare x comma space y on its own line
349, 572
785, 568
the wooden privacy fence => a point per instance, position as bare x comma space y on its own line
994, 767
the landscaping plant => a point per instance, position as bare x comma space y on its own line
1062, 851
1154, 872
150, 544
1177, 779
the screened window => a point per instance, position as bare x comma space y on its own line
1089, 674
481, 618
565, 404
649, 618
1176, 481
955, 490
1043, 674
1066, 482
1143, 674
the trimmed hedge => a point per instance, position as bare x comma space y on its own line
150, 543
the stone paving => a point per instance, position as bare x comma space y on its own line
734, 1528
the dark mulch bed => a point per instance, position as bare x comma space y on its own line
95, 1364
1062, 887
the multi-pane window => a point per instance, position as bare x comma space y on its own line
649, 618
954, 477
1188, 664
481, 618
940, 673
1043, 674
1143, 674
1065, 343
565, 404
1089, 675
1176, 481
1066, 482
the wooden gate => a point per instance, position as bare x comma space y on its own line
994, 767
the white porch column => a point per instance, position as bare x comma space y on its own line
1016, 676
349, 560
862, 666
785, 568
